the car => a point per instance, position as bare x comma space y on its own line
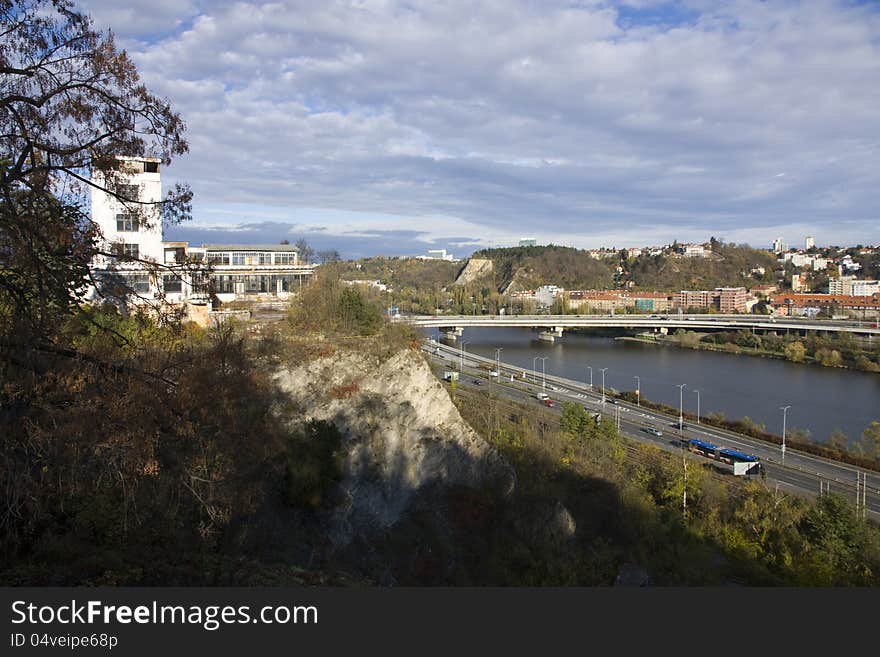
548, 402
493, 373
477, 382
542, 396
654, 431
611, 400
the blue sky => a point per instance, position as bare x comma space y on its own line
383, 127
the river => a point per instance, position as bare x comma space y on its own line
821, 399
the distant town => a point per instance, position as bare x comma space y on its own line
806, 281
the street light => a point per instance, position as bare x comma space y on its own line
591, 376
638, 391
680, 387
784, 410
498, 351
602, 369
535, 368
543, 374
698, 405
461, 355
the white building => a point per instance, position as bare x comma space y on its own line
437, 254
135, 255
546, 294
809, 243
865, 288
852, 287
847, 264
695, 251
778, 245
528, 241
800, 260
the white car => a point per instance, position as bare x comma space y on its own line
542, 396
494, 373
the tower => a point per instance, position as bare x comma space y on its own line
132, 227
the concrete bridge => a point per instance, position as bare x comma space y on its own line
550, 327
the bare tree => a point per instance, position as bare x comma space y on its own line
329, 256
70, 105
306, 252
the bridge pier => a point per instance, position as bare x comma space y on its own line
550, 335
451, 332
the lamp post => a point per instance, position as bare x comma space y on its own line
461, 355
602, 369
638, 391
680, 387
784, 410
498, 351
698, 405
543, 373
591, 376
535, 368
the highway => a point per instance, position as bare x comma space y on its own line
801, 473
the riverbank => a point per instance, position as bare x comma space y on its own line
691, 340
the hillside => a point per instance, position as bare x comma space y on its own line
402, 273
401, 437
523, 268
730, 269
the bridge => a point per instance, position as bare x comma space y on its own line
550, 327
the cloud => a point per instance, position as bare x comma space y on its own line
581, 122
350, 244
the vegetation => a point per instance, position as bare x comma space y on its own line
140, 450
834, 350
731, 267
629, 511
527, 267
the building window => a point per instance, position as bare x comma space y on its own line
251, 258
130, 250
151, 167
285, 258
172, 283
128, 192
217, 257
127, 223
140, 283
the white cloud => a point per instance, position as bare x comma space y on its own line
515, 114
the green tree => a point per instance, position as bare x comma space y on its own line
356, 315
795, 352
838, 440
870, 441
576, 422
835, 553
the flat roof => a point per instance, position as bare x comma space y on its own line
248, 247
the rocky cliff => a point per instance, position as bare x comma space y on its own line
402, 436
475, 269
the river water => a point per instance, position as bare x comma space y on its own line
822, 399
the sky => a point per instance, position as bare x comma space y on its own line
378, 127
